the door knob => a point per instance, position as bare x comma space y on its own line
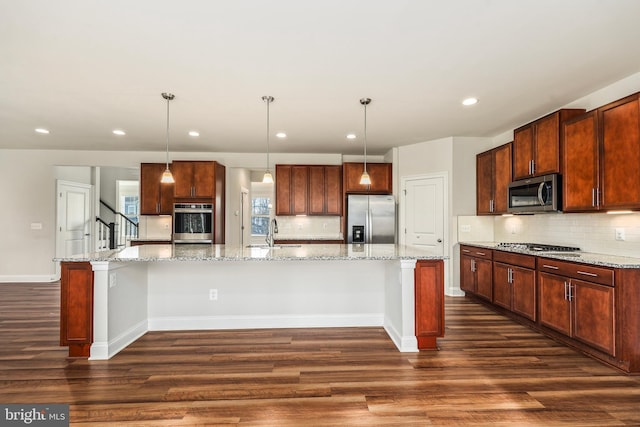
439, 240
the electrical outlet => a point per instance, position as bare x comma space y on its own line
465, 228
213, 295
112, 280
619, 233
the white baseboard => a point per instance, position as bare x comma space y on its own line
106, 350
404, 344
262, 322
28, 279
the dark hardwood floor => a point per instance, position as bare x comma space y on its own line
489, 371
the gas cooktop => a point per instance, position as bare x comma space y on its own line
538, 247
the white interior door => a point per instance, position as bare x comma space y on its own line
73, 218
424, 211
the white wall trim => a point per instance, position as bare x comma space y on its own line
105, 351
29, 279
262, 322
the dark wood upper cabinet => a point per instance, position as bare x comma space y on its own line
155, 198
581, 160
620, 150
537, 146
308, 190
601, 155
381, 178
194, 179
493, 175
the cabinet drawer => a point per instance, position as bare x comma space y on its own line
476, 252
521, 260
589, 273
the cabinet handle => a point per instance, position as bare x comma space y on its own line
597, 197
553, 267
593, 197
570, 292
491, 205
585, 273
473, 265
566, 292
466, 251
480, 253
510, 275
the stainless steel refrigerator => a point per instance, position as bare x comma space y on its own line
371, 219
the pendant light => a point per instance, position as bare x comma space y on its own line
267, 178
365, 179
167, 177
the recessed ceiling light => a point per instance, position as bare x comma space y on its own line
281, 135
351, 136
42, 130
194, 133
119, 132
470, 101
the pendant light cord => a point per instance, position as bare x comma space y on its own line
268, 102
365, 137
168, 99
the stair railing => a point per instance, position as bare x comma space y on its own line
124, 228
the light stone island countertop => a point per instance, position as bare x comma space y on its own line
309, 252
591, 258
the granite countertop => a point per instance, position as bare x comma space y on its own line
310, 252
590, 258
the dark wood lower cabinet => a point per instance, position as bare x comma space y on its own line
76, 308
429, 303
591, 308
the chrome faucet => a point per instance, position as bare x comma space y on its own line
273, 229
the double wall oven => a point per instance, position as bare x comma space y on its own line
192, 223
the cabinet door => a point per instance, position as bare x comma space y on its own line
580, 164
204, 179
546, 145
155, 198
76, 307
594, 315
522, 152
501, 177
316, 190
484, 278
333, 190
484, 183
620, 124
555, 312
183, 176
467, 276
283, 190
501, 285
299, 190
429, 303
523, 290
380, 174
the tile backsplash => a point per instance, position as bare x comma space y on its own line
312, 227
155, 227
590, 232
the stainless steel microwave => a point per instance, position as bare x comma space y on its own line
535, 195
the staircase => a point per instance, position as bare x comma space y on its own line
116, 233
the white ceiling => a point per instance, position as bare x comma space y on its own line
82, 68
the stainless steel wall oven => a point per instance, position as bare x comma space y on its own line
192, 223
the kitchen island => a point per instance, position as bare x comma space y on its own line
109, 299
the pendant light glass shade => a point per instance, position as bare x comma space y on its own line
167, 176
268, 177
365, 179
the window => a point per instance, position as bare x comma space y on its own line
260, 215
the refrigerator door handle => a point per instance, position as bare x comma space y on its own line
369, 233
